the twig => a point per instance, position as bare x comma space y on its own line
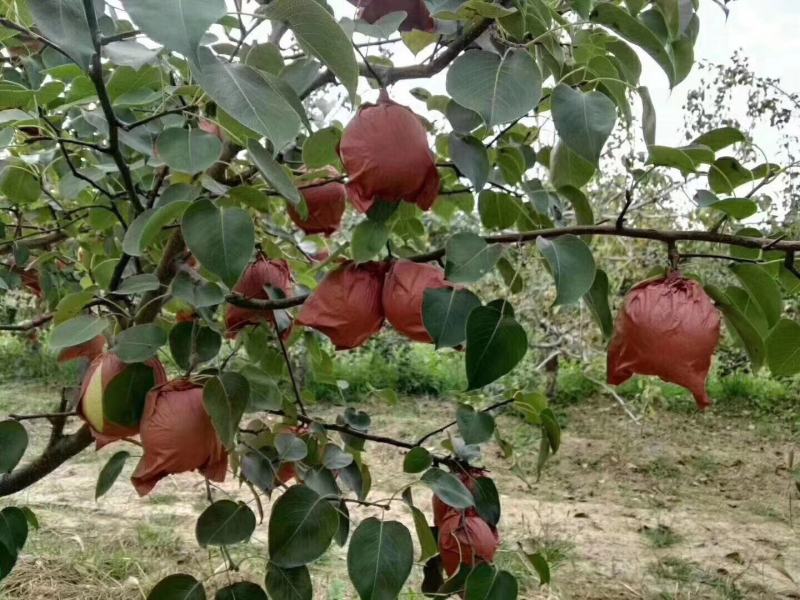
27, 326
146, 120
96, 75
438, 430
616, 397
295, 387
54, 415
118, 37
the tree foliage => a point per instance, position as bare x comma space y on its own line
160, 202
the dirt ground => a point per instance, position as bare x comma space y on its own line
673, 507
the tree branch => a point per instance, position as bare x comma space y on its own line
96, 75
420, 71
58, 452
28, 325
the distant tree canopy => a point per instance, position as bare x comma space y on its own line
180, 210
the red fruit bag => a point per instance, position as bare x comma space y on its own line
417, 15
100, 373
465, 538
326, 204
347, 304
260, 274
91, 350
177, 436
669, 328
403, 294
385, 152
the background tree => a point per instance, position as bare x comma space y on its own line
176, 183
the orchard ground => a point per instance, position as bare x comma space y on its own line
679, 506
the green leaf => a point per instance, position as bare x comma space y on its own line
369, 238
648, 116
495, 344
569, 169
13, 442
198, 294
188, 150
763, 288
290, 447
243, 590
191, 344
319, 34
71, 305
417, 460
144, 229
736, 208
448, 488
320, 148
687, 159
487, 500
497, 210
64, 22
744, 330
224, 523
583, 120
288, 584
627, 26
584, 215
125, 395
469, 257
277, 177
475, 427
110, 472
178, 587
539, 562
301, 527
179, 25
138, 284
76, 331
783, 348
749, 307
248, 96
572, 265
471, 158
427, 542
462, 120
726, 174
485, 582
583, 7
499, 89
720, 138
445, 312
225, 399
18, 183
379, 559
222, 239
596, 300
13, 528
551, 429
139, 343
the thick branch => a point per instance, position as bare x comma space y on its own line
56, 454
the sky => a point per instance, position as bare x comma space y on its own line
767, 31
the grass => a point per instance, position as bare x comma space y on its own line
661, 536
690, 576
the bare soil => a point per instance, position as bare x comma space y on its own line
673, 507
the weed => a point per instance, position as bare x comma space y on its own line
661, 536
